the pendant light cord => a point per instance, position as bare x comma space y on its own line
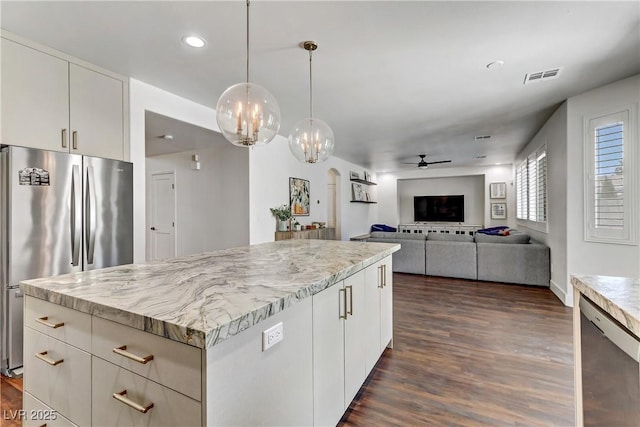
248, 1
310, 87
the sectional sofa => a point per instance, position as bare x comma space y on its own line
508, 259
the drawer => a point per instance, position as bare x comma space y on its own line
175, 365
37, 414
170, 408
65, 386
65, 324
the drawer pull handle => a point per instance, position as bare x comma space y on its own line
122, 351
120, 397
43, 321
43, 356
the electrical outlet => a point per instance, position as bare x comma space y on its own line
272, 336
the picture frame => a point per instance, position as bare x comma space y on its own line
354, 175
498, 211
498, 190
299, 196
358, 192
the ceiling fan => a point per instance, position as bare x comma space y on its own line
422, 164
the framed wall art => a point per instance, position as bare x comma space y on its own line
299, 196
498, 211
498, 190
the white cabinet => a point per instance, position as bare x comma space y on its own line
59, 375
122, 398
328, 355
348, 337
379, 309
49, 102
37, 414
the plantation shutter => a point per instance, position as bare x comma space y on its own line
610, 164
541, 185
609, 176
521, 191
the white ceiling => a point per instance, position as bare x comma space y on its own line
393, 79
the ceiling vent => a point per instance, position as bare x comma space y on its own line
479, 157
481, 137
542, 75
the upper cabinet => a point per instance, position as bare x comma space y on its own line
54, 103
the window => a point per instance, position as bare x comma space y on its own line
531, 188
609, 206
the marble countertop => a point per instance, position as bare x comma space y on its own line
618, 296
206, 298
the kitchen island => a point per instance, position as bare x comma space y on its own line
606, 335
278, 333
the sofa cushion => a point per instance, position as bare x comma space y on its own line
448, 237
397, 236
512, 238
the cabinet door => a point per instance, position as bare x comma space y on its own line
328, 355
373, 277
386, 306
354, 336
35, 98
96, 113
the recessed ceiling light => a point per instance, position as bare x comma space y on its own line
495, 64
498, 164
194, 41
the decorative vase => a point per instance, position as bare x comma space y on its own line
283, 225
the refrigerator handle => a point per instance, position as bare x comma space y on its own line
90, 212
76, 215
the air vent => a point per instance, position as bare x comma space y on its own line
542, 75
481, 137
479, 157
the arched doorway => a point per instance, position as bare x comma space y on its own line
333, 202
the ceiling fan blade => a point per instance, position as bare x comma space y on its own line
441, 161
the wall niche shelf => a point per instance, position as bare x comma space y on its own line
362, 201
362, 181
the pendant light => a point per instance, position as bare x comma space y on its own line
247, 114
311, 140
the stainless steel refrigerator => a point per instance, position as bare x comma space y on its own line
59, 213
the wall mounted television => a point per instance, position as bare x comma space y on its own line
438, 208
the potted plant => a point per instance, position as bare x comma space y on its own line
296, 224
283, 215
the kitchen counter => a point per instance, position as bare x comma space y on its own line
204, 299
618, 296
599, 348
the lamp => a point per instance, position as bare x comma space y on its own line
311, 140
247, 114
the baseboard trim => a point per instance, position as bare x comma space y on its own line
561, 294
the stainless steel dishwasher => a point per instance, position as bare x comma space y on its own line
610, 369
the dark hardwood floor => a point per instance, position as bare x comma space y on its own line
471, 353
465, 354
10, 400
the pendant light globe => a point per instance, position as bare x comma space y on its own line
311, 140
248, 115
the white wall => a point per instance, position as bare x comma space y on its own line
212, 204
389, 206
270, 169
554, 135
590, 257
472, 187
144, 97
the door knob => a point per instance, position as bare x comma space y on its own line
153, 228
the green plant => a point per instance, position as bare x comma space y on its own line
283, 212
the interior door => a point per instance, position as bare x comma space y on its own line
163, 215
